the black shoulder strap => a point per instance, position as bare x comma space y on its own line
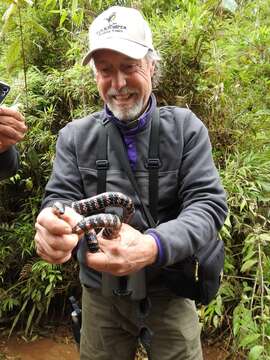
153, 164
102, 163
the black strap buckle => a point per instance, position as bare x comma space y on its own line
102, 164
153, 164
105, 121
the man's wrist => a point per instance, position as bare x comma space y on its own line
160, 255
153, 248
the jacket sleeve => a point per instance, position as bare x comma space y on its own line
9, 162
201, 197
65, 183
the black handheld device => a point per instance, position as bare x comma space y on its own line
76, 318
4, 90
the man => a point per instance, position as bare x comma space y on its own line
12, 130
191, 202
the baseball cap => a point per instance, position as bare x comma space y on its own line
121, 29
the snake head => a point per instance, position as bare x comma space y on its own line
58, 208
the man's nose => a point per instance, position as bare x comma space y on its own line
118, 80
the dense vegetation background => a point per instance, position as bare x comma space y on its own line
216, 61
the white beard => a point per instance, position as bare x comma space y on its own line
125, 114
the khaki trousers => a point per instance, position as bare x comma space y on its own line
110, 327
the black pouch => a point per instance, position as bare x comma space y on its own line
197, 277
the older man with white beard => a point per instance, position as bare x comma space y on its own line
191, 205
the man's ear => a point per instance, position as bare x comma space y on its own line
152, 68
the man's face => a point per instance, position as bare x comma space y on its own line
123, 83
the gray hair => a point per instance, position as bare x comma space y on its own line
153, 56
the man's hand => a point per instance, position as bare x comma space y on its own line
12, 128
54, 238
126, 254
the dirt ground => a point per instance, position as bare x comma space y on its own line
60, 345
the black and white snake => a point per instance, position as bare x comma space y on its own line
93, 219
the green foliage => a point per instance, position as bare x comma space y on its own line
33, 293
214, 61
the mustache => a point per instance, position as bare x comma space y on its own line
124, 91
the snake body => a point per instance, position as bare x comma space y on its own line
90, 209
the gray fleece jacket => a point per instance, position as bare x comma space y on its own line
191, 204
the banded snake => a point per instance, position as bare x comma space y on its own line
93, 219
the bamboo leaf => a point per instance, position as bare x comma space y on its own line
38, 27
10, 10
48, 2
29, 2
18, 316
248, 265
30, 319
13, 54
255, 352
249, 339
6, 16
265, 237
74, 7
61, 5
48, 288
243, 204
64, 15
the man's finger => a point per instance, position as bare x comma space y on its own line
10, 135
98, 261
49, 220
54, 243
11, 112
48, 252
12, 122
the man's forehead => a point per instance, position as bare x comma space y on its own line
110, 55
